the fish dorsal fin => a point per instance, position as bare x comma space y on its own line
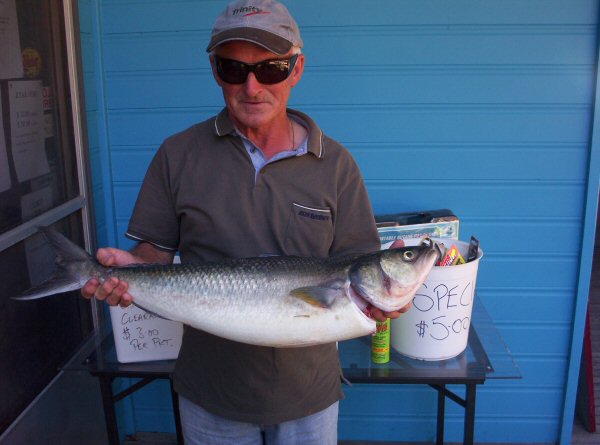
323, 295
68, 251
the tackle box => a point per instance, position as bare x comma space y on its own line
411, 227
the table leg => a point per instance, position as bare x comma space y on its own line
469, 436
441, 408
175, 399
110, 417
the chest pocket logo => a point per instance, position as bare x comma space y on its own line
309, 231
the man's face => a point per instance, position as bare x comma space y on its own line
253, 105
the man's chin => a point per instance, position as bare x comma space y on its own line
255, 117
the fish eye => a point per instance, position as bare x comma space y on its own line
408, 255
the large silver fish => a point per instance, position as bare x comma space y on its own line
273, 301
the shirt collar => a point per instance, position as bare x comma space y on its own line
223, 126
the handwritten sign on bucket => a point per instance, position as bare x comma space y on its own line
445, 310
437, 325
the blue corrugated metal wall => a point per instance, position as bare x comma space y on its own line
481, 107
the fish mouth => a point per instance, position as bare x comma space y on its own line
434, 248
365, 302
399, 295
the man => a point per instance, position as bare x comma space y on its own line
257, 179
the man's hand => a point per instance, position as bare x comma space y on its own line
113, 290
379, 315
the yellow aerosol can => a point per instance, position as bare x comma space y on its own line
380, 343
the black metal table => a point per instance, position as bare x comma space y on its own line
486, 357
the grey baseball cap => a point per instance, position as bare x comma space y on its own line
264, 22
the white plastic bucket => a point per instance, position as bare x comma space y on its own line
437, 325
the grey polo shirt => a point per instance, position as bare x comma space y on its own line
258, 158
203, 196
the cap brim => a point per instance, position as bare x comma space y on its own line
266, 39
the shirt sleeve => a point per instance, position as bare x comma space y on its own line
154, 217
355, 230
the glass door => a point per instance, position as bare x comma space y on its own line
43, 182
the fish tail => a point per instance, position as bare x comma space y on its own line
73, 267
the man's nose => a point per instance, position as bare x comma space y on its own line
252, 86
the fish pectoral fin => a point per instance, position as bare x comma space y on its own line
320, 296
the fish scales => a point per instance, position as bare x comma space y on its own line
272, 301
246, 300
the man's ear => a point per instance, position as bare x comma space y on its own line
298, 70
214, 69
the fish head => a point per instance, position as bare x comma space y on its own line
390, 278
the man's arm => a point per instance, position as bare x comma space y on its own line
113, 290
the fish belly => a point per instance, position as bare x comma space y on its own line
266, 316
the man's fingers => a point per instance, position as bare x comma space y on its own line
89, 289
377, 314
118, 294
105, 257
109, 256
113, 291
405, 308
380, 315
126, 300
106, 288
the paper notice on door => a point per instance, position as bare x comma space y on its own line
11, 64
36, 203
27, 129
4, 171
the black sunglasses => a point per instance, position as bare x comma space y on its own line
267, 72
